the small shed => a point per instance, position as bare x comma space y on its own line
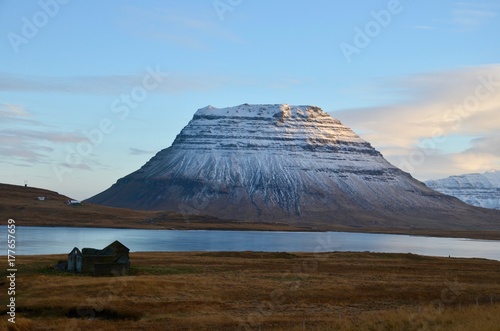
111, 260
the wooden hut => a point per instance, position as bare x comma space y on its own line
111, 260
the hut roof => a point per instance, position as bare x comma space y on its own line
91, 251
75, 251
111, 249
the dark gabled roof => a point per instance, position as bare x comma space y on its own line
106, 251
92, 251
116, 244
75, 251
114, 247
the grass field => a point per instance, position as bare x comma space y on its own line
261, 291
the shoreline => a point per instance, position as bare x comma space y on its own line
272, 227
21, 205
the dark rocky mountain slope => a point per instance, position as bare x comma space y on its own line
293, 164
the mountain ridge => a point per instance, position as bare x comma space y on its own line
285, 163
481, 190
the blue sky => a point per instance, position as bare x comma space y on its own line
418, 79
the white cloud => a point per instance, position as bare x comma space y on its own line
172, 83
472, 14
10, 111
459, 103
137, 151
32, 145
108, 84
26, 141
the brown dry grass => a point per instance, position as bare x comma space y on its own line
263, 291
20, 203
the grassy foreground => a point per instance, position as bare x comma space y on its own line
261, 291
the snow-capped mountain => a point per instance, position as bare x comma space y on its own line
295, 164
482, 190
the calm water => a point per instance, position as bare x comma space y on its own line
44, 240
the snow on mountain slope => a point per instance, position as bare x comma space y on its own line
482, 190
280, 163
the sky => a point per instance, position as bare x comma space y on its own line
91, 90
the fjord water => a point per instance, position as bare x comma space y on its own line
60, 240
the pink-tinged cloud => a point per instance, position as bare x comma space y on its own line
438, 107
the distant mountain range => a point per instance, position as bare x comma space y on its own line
482, 190
293, 164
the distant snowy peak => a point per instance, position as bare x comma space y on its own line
482, 190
